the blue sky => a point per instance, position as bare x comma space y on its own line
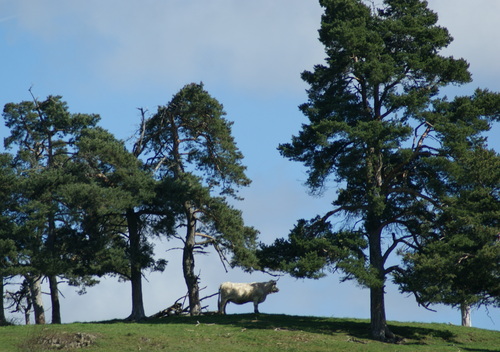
112, 57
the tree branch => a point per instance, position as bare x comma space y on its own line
331, 213
392, 269
414, 193
222, 257
424, 135
139, 144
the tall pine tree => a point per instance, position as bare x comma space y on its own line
374, 128
111, 197
458, 263
192, 151
44, 135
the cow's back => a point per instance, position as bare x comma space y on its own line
240, 292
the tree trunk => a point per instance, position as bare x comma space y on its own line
54, 298
27, 314
35, 287
191, 280
3, 320
373, 227
466, 316
378, 321
380, 330
53, 270
137, 302
27, 309
188, 265
135, 267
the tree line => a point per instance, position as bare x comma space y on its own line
414, 175
78, 205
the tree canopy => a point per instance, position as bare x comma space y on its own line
78, 205
380, 132
44, 134
458, 263
190, 145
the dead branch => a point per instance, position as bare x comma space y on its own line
271, 274
175, 248
139, 144
210, 296
210, 239
222, 257
178, 308
418, 144
465, 257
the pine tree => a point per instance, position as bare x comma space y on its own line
375, 127
114, 198
190, 148
81, 204
8, 250
43, 133
458, 264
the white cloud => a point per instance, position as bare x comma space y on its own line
473, 25
251, 45
257, 45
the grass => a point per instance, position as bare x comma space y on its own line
249, 332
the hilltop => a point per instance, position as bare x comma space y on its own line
244, 332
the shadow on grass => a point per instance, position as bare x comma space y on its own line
421, 333
356, 328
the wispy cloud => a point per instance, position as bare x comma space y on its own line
254, 45
472, 24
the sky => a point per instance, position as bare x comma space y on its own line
112, 57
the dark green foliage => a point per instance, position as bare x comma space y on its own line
74, 184
190, 148
82, 206
193, 152
7, 219
194, 122
111, 181
9, 253
125, 199
378, 130
44, 135
311, 247
457, 263
460, 264
225, 225
76, 204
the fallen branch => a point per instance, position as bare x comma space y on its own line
178, 308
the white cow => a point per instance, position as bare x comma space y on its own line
241, 293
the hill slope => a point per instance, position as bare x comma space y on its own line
246, 332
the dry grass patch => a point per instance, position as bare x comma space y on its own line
57, 340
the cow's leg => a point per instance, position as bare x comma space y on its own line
222, 306
256, 307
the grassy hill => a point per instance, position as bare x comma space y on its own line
247, 332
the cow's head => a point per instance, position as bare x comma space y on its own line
272, 286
